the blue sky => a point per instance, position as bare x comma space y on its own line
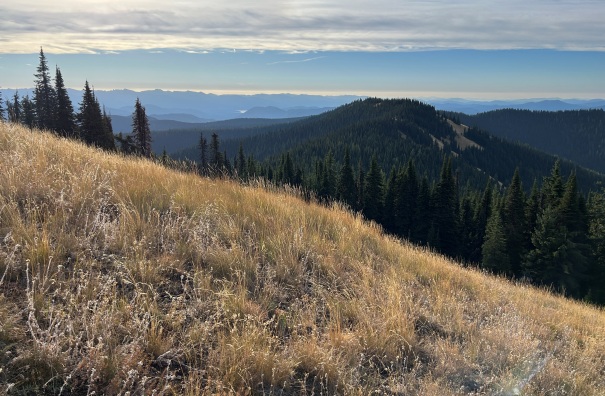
480, 49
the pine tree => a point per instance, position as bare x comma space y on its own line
514, 227
556, 259
127, 144
531, 214
389, 221
287, 169
1, 109
420, 229
406, 200
596, 271
560, 256
253, 169
242, 168
65, 123
203, 148
328, 181
360, 187
14, 109
107, 125
93, 129
140, 130
552, 188
482, 214
467, 228
444, 204
45, 97
27, 111
346, 188
228, 169
494, 250
217, 158
374, 193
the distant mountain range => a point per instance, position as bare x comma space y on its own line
194, 108
474, 107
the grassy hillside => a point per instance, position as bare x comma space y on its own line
117, 275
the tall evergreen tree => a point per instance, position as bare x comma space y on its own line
242, 166
467, 228
14, 108
552, 188
92, 128
107, 124
532, 210
444, 204
65, 120
514, 224
560, 255
556, 259
1, 108
420, 230
374, 192
216, 156
596, 272
360, 186
494, 250
482, 214
328, 181
44, 96
27, 111
406, 200
389, 221
227, 164
203, 148
140, 130
346, 188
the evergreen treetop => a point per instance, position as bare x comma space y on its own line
44, 96
140, 130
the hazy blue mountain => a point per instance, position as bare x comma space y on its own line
121, 123
182, 117
276, 112
188, 106
475, 107
210, 106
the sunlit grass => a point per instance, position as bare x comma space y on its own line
118, 275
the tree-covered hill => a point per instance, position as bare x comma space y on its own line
176, 139
396, 131
578, 136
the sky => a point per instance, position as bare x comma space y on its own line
475, 49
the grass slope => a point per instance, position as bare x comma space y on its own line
117, 275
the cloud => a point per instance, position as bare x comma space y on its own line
301, 25
296, 61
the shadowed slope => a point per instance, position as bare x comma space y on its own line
119, 275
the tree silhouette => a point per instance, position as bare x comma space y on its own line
140, 130
44, 96
65, 122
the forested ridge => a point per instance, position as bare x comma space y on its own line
577, 135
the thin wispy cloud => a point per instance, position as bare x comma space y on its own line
296, 61
301, 25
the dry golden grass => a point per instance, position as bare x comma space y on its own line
118, 276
